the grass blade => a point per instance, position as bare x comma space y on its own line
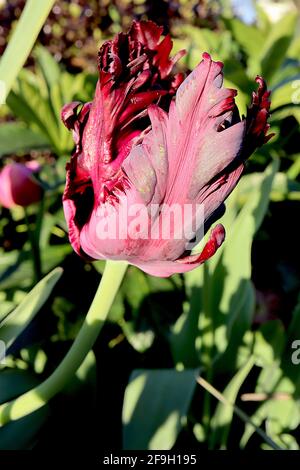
31, 22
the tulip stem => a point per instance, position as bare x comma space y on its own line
96, 316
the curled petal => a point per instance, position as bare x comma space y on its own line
164, 268
69, 114
217, 237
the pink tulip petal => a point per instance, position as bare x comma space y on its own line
18, 186
130, 152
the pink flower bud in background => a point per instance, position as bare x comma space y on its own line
136, 145
18, 186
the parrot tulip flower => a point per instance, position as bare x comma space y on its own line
18, 186
151, 140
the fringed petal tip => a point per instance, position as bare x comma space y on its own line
207, 56
258, 115
166, 268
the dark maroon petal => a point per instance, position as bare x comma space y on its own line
162, 58
134, 71
69, 114
146, 32
257, 118
75, 118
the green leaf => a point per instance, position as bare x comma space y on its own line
294, 49
23, 39
222, 418
185, 330
14, 268
287, 94
276, 46
48, 65
16, 137
269, 343
247, 36
30, 94
54, 255
263, 20
220, 294
14, 323
280, 413
231, 291
257, 419
26, 103
20, 434
155, 407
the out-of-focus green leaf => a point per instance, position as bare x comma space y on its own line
282, 188
294, 49
275, 47
247, 36
223, 415
14, 323
37, 99
139, 340
263, 20
287, 94
20, 45
54, 255
155, 407
256, 419
5, 308
142, 294
15, 137
49, 67
20, 434
231, 290
185, 331
292, 173
221, 294
269, 343
28, 101
14, 268
280, 412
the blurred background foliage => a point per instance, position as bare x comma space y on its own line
233, 320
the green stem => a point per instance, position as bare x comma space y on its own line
35, 249
240, 413
98, 311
